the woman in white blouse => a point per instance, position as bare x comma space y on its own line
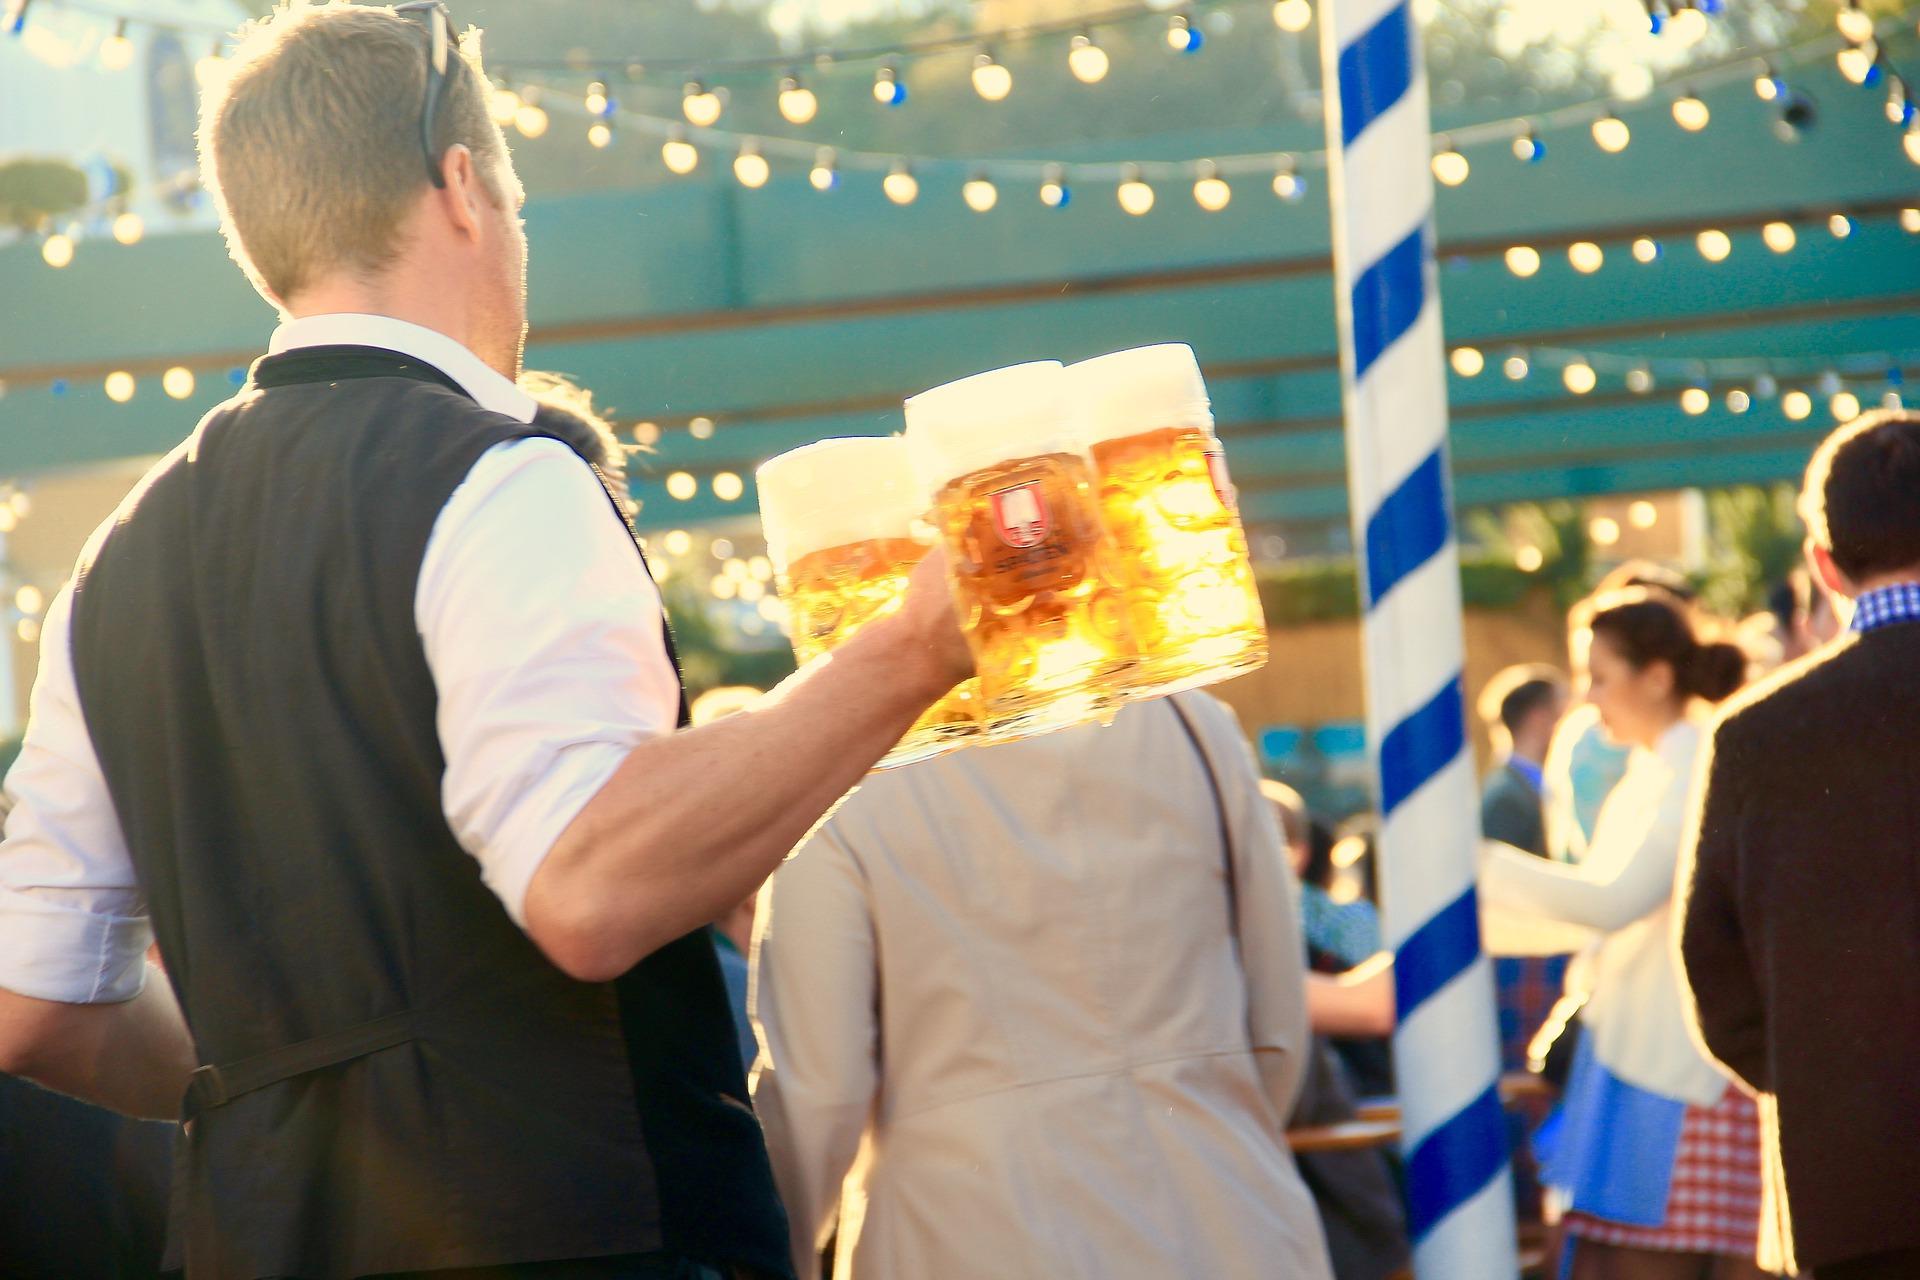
1655, 1152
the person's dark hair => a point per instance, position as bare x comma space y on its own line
1645, 573
1646, 625
1517, 692
1861, 499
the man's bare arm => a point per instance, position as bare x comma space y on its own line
132, 1057
691, 823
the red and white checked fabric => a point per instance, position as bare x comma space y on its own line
1713, 1203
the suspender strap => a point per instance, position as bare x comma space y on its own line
215, 1086
1211, 768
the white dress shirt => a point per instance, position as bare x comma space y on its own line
542, 630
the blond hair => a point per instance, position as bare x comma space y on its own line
310, 140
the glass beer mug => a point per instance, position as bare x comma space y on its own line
839, 518
1180, 560
1013, 496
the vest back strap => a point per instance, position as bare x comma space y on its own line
215, 1086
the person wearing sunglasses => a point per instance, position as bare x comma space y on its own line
363, 705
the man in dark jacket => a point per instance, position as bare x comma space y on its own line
1800, 921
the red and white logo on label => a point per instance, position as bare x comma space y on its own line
1020, 514
1217, 470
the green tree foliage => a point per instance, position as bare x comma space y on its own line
34, 189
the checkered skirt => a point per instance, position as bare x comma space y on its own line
1713, 1202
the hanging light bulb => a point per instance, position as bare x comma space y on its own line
1136, 197
682, 486
597, 103
1054, 192
750, 167
1467, 361
1450, 168
1182, 35
57, 250
1854, 23
1640, 380
1695, 400
116, 51
700, 105
1738, 401
1586, 256
1523, 260
600, 135
825, 174
1287, 184
991, 80
1856, 62
1911, 140
798, 105
1714, 244
900, 184
1646, 249
177, 382
1796, 404
1844, 406
1528, 147
1767, 86
1840, 226
1687, 28
503, 103
1293, 15
1515, 367
680, 156
531, 119
119, 386
980, 193
1211, 191
1779, 236
1086, 60
1690, 113
129, 227
211, 69
1579, 377
1910, 221
889, 90
1610, 132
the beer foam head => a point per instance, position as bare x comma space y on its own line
962, 427
834, 493
1132, 392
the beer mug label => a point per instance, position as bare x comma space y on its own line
1217, 469
1020, 515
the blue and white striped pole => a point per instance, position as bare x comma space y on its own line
1446, 1050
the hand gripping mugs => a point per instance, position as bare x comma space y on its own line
999, 458
839, 518
1180, 559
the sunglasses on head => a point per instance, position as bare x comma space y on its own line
433, 15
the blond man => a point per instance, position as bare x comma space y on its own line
363, 705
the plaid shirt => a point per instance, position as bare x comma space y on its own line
1886, 605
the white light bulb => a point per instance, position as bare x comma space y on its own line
980, 193
177, 382
1910, 219
1646, 249
1714, 245
701, 105
1288, 185
119, 386
824, 176
1779, 236
1691, 114
1087, 61
1844, 406
1639, 381
682, 486
1840, 225
1911, 141
1854, 24
1688, 27
1738, 401
1523, 260
1855, 62
1467, 361
57, 250
531, 120
1450, 167
991, 80
1293, 15
1610, 133
1796, 404
901, 186
1586, 256
1579, 378
503, 103
599, 135
1212, 194
116, 51
596, 99
1515, 367
797, 102
129, 227
728, 487
1695, 400
1136, 197
680, 156
751, 168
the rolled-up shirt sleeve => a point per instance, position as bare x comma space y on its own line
73, 921
547, 645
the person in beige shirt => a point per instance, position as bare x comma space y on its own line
1037, 1010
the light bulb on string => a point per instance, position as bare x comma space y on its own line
177, 382
1911, 140
503, 103
1840, 226
1523, 260
700, 428
1796, 404
1450, 168
1515, 367
889, 90
991, 79
1695, 400
1899, 109
1687, 28
211, 69
1585, 256
1690, 113
700, 105
119, 386
1579, 377
116, 51
1293, 15
597, 102
1910, 221
129, 227
1844, 406
1135, 195
1182, 35
798, 105
1890, 400
57, 250
1714, 244
531, 119
727, 486
1855, 25
681, 486
1086, 60
599, 135
1646, 249
1210, 190
679, 155
1287, 184
1610, 132
1856, 61
1054, 191
1467, 361
1738, 401
750, 167
825, 174
980, 193
1779, 236
1528, 148
900, 185
1767, 86
1639, 380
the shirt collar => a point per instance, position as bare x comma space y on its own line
489, 389
1899, 602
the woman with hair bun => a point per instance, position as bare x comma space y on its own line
1656, 1156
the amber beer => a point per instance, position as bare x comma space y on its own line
1180, 555
1013, 496
839, 518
